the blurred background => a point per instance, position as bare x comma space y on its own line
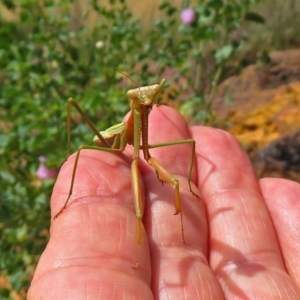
230, 64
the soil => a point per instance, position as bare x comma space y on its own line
264, 113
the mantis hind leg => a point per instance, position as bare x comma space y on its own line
72, 102
75, 167
117, 145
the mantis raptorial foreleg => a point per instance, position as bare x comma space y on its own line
165, 176
181, 142
134, 131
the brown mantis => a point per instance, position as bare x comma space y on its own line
134, 132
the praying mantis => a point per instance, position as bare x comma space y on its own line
134, 132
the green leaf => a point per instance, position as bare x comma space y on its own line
228, 97
7, 177
223, 53
255, 17
4, 140
9, 4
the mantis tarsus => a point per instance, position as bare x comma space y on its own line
134, 132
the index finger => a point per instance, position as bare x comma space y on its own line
92, 243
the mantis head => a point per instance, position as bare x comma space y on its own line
146, 95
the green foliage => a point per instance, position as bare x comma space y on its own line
47, 56
44, 61
213, 39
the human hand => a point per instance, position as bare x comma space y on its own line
242, 237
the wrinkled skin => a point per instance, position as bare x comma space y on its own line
242, 237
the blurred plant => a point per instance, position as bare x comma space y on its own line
44, 60
211, 31
48, 55
198, 47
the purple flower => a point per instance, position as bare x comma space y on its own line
43, 172
188, 16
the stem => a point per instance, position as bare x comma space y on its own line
213, 88
199, 69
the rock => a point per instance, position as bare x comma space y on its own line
265, 112
280, 158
